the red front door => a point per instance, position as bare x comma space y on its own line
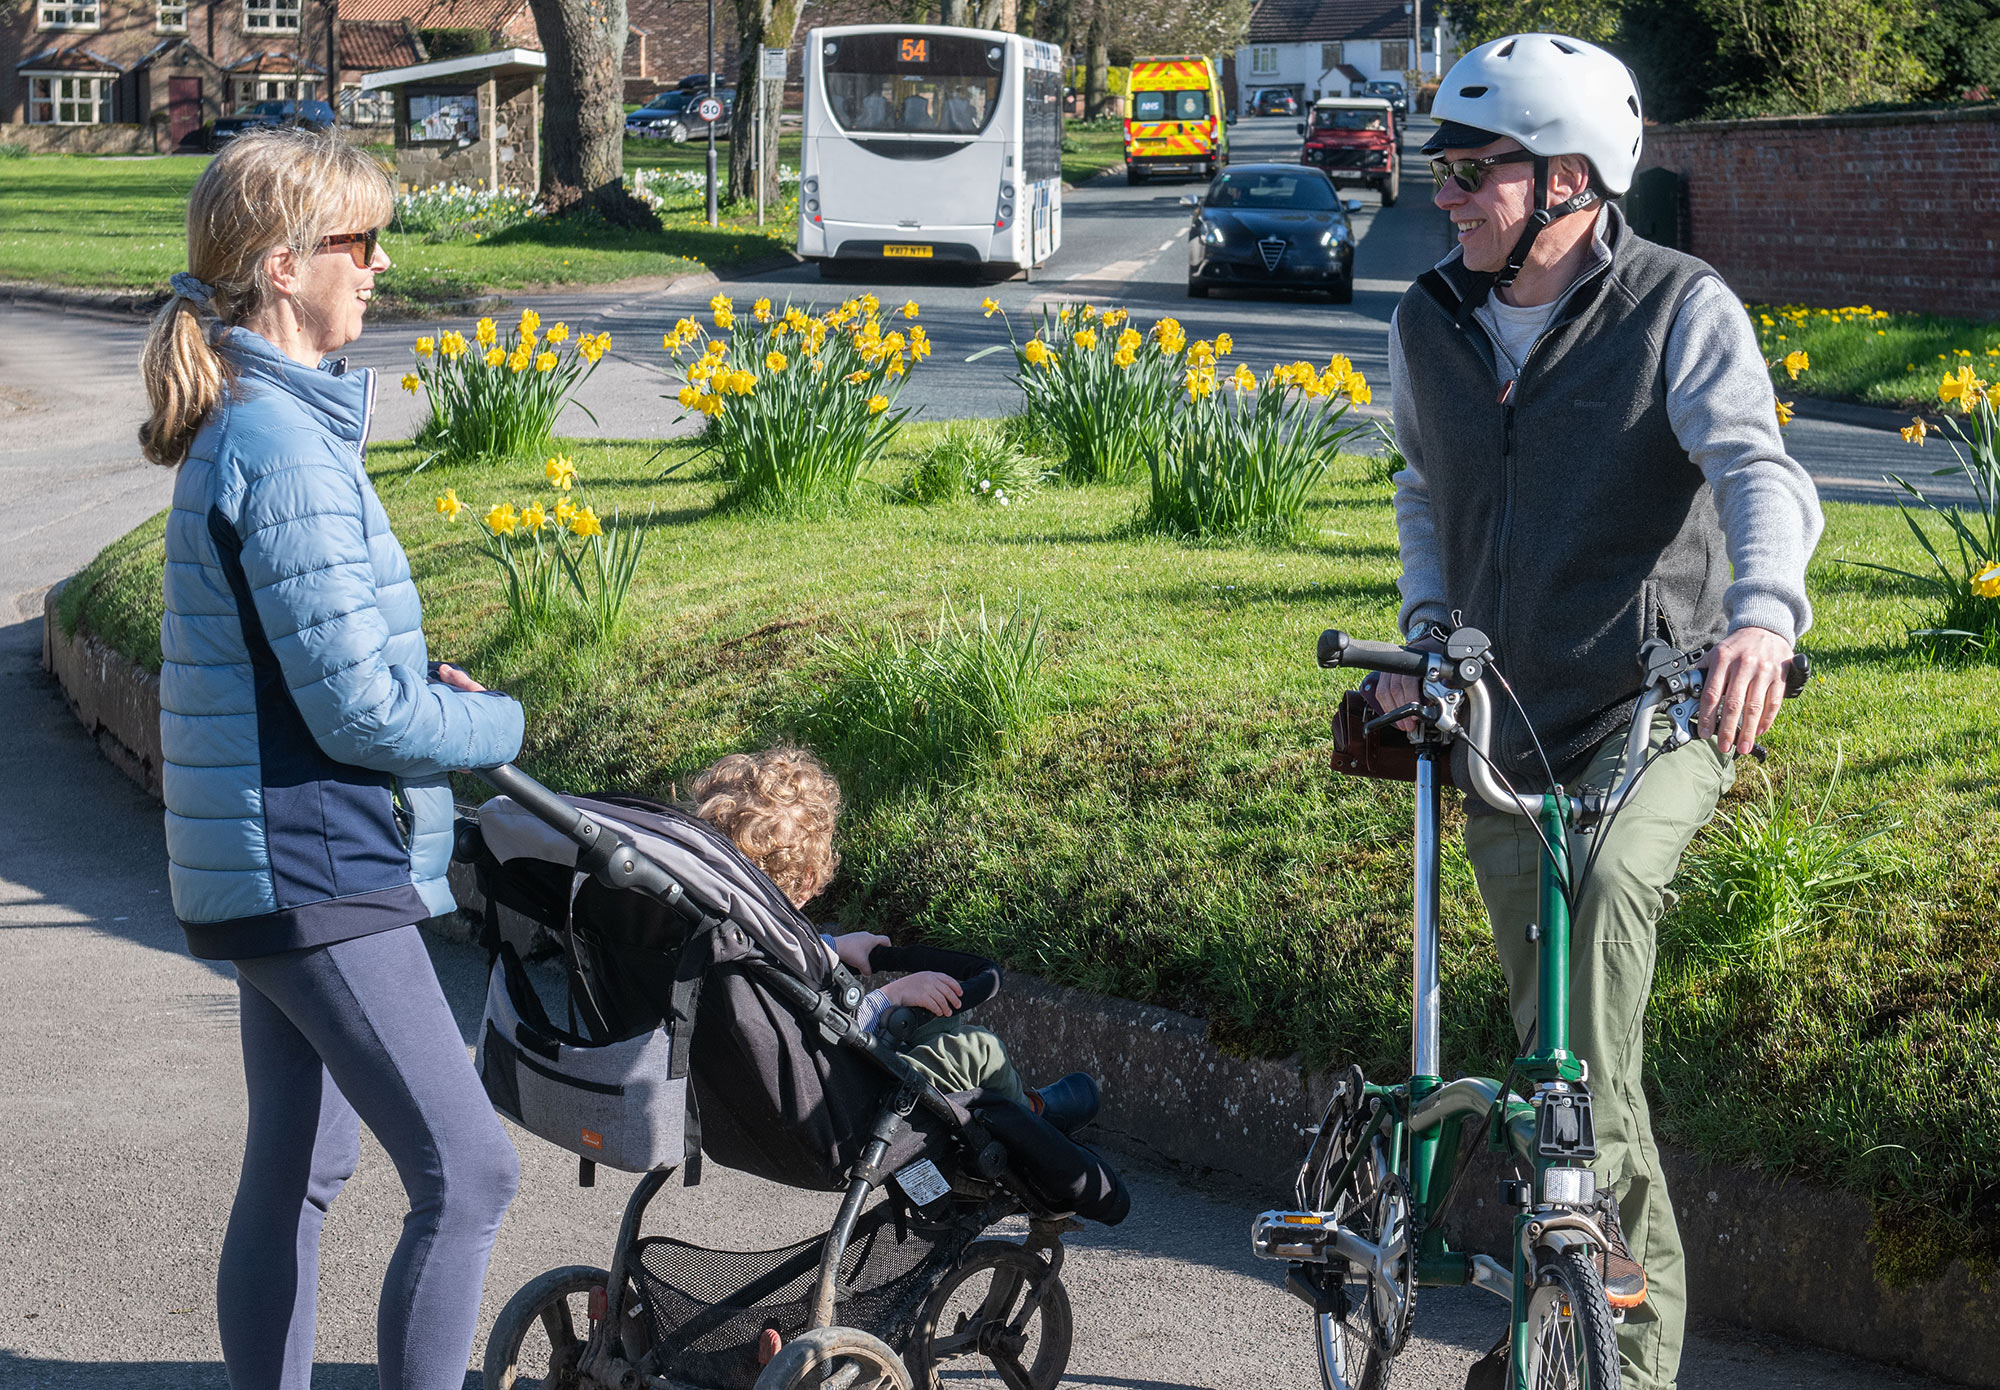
183, 107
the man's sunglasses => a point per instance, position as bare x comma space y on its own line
1469, 173
360, 245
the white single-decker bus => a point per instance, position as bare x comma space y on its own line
926, 144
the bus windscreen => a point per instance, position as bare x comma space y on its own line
931, 84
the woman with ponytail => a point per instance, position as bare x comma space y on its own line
308, 739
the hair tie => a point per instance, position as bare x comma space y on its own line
189, 287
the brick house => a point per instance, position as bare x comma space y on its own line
1316, 48
670, 38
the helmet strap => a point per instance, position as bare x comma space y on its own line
1483, 283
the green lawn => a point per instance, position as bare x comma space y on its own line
1874, 358
1167, 830
1091, 147
121, 224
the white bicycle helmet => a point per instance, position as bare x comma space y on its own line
1553, 94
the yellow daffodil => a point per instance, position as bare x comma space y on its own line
761, 311
893, 370
530, 321
1961, 386
494, 357
411, 381
856, 378
1914, 432
1200, 382
1784, 412
1796, 361
561, 473
774, 361
585, 523
743, 382
1201, 353
559, 333
1223, 344
1063, 315
709, 405
1114, 317
533, 518
1357, 390
920, 344
877, 404
546, 361
448, 505
451, 343
1244, 379
1125, 356
565, 509
1169, 334
688, 397
519, 358
909, 308
1086, 338
870, 305
1129, 340
425, 347
593, 347
1986, 583
485, 333
988, 307
502, 520
1036, 351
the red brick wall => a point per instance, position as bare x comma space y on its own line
1899, 210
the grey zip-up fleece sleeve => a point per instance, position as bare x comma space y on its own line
1720, 405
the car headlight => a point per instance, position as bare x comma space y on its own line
1211, 234
1333, 236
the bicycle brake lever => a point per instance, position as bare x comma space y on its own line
1400, 712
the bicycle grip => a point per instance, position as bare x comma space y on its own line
1797, 672
1336, 648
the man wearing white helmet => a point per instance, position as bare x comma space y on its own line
1593, 460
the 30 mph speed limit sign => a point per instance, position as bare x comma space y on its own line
708, 109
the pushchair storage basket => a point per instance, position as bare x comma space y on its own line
616, 1104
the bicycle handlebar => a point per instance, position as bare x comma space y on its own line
1336, 648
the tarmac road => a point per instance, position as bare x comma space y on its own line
122, 1093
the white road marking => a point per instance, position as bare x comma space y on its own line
1168, 244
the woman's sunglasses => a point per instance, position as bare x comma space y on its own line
1469, 173
360, 245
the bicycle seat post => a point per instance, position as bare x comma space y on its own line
1425, 1064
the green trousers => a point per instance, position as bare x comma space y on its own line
964, 1057
1613, 942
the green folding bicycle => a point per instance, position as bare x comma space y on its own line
1385, 1162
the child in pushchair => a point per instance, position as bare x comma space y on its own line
706, 1015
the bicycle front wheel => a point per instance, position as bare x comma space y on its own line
1348, 1358
1572, 1341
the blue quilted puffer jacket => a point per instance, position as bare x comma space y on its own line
306, 746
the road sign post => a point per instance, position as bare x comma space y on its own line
711, 124
770, 68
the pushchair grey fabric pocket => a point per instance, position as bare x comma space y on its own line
617, 1104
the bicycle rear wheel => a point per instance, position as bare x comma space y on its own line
1572, 1341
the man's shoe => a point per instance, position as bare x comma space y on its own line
1068, 1104
1624, 1280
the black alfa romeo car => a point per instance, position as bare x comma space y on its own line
1271, 226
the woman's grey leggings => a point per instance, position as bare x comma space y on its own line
334, 1036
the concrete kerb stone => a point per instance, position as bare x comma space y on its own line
1775, 1254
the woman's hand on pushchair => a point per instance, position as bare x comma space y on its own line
855, 947
926, 989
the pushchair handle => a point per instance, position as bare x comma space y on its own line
601, 851
978, 977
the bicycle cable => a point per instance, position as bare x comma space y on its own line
1526, 723
1534, 821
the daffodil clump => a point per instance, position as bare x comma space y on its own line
1964, 581
1105, 391
798, 404
1249, 450
495, 398
556, 554
1863, 353
463, 211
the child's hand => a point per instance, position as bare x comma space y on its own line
926, 989
854, 948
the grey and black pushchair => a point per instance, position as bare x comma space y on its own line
704, 1014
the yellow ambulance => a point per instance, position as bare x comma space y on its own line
1174, 121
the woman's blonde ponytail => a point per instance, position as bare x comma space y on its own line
269, 189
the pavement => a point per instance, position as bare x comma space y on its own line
123, 1089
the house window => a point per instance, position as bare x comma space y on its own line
1331, 56
1264, 61
59, 99
271, 15
282, 87
367, 108
1395, 54
171, 16
67, 14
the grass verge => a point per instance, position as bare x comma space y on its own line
121, 224
1164, 827
1871, 357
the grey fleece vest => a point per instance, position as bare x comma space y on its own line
1571, 524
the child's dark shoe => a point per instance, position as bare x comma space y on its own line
1070, 1103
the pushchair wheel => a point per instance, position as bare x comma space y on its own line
539, 1337
835, 1356
1003, 1305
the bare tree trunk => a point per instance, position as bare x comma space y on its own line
759, 24
1096, 77
953, 11
583, 126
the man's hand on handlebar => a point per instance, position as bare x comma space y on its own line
1393, 692
1744, 688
